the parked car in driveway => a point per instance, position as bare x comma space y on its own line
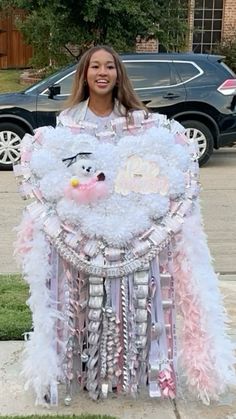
197, 90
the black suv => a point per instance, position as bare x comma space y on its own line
197, 90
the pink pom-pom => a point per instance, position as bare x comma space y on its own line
86, 193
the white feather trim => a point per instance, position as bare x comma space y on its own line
203, 286
41, 366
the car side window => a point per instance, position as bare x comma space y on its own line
186, 71
66, 84
149, 74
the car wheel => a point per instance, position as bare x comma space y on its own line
203, 137
10, 138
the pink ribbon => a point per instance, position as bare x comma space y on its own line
166, 383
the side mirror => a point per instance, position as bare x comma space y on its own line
54, 91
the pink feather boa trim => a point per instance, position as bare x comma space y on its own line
196, 345
206, 355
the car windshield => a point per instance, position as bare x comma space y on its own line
50, 80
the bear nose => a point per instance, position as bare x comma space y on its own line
88, 169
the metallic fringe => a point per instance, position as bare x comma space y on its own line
122, 335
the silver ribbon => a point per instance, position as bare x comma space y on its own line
125, 307
94, 338
141, 292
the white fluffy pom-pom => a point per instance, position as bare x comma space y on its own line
43, 162
53, 185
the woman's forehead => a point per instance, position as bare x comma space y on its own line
102, 56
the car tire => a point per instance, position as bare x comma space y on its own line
10, 138
203, 136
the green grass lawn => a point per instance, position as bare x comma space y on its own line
15, 317
10, 81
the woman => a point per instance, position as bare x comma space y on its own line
101, 90
111, 235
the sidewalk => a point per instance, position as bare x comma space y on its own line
15, 401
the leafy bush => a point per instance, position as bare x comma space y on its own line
51, 27
15, 316
227, 47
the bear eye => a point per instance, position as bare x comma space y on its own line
83, 167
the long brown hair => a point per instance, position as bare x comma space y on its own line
123, 91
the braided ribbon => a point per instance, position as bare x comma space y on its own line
125, 307
141, 318
69, 290
94, 339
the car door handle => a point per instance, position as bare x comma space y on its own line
171, 96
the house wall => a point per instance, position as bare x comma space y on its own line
228, 24
191, 6
229, 19
150, 45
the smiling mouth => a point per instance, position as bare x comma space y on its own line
102, 82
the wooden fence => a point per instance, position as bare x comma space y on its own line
14, 53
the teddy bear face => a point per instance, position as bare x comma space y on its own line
86, 184
83, 168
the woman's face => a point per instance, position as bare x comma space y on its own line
101, 74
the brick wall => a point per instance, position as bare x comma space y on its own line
229, 19
146, 45
191, 7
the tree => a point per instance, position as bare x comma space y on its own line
53, 26
227, 47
